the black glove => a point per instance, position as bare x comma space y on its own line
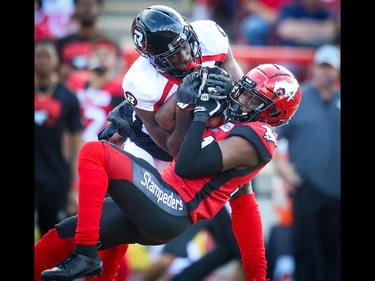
187, 92
216, 82
207, 107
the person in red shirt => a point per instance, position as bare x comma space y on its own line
214, 166
99, 89
75, 48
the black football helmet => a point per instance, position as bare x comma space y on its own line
159, 32
268, 93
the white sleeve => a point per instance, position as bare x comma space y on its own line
144, 87
212, 37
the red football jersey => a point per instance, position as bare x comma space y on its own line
206, 195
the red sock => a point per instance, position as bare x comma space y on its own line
247, 227
114, 268
123, 272
50, 250
93, 183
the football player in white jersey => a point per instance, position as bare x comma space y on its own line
170, 48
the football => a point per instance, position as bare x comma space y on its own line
216, 121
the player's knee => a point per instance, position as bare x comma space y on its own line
91, 150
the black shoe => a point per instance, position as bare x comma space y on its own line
75, 266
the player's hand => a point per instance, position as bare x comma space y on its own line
216, 82
209, 106
187, 92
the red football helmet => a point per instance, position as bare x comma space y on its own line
268, 93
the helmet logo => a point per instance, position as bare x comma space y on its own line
287, 88
204, 97
269, 134
139, 38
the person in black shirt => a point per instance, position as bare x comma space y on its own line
58, 131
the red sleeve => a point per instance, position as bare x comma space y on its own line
247, 228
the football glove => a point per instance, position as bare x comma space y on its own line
216, 82
187, 92
207, 107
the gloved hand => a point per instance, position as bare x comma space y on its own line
121, 120
187, 92
207, 107
216, 82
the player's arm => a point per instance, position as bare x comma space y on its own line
166, 114
233, 152
232, 67
156, 132
169, 141
168, 127
169, 132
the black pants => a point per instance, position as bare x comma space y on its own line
116, 228
315, 236
50, 205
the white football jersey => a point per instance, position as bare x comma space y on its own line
147, 89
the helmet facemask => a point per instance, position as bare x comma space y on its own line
246, 103
162, 62
158, 33
158, 46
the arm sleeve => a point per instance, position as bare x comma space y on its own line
247, 228
193, 161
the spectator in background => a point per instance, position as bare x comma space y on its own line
41, 28
257, 19
221, 11
313, 171
58, 138
279, 247
307, 23
99, 91
54, 18
75, 48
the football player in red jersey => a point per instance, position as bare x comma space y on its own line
214, 166
170, 48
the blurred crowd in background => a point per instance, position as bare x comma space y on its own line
74, 57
